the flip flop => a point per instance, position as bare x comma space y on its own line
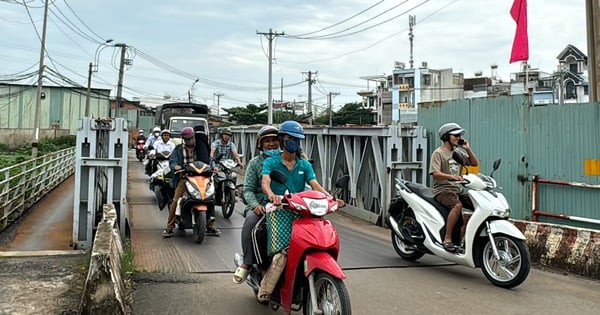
263, 297
449, 247
240, 275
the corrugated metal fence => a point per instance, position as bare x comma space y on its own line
558, 142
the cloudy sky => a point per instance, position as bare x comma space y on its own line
173, 43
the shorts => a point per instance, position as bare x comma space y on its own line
450, 199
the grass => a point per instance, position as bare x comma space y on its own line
127, 265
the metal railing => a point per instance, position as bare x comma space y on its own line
536, 212
23, 184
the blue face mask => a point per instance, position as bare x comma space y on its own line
291, 145
274, 152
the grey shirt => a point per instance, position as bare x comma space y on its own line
441, 160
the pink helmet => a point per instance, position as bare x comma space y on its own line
187, 132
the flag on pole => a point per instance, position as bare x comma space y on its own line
520, 48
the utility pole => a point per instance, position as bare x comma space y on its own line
218, 95
412, 20
120, 85
89, 91
329, 99
38, 100
592, 8
309, 105
270, 36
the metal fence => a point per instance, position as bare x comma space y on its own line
23, 184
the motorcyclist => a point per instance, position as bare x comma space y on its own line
228, 150
299, 173
268, 145
192, 149
150, 145
163, 148
141, 136
446, 172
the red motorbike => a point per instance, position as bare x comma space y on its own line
140, 152
311, 279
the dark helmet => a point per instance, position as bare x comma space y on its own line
450, 129
292, 128
226, 131
266, 131
187, 132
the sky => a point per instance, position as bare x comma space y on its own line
172, 44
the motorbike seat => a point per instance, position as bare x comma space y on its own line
427, 194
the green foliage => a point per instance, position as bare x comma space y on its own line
249, 115
23, 153
350, 113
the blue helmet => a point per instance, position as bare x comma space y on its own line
292, 128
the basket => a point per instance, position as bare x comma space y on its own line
279, 229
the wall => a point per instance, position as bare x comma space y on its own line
17, 137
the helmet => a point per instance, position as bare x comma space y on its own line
292, 128
266, 131
165, 131
226, 131
450, 129
156, 129
187, 132
141, 132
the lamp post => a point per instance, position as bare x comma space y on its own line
91, 69
190, 98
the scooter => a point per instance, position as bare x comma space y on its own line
226, 183
491, 242
140, 152
312, 278
195, 202
160, 184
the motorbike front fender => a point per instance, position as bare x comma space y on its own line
325, 262
230, 185
505, 227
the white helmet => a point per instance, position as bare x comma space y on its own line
156, 129
450, 129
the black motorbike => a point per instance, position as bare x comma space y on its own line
225, 181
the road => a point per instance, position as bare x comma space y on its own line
178, 276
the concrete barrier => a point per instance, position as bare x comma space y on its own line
575, 250
104, 289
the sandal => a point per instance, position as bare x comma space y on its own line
240, 275
263, 297
449, 247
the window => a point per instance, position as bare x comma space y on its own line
426, 79
573, 68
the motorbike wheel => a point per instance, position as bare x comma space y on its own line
404, 250
228, 203
513, 266
332, 296
199, 228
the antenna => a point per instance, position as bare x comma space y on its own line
412, 20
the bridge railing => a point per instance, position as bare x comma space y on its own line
23, 184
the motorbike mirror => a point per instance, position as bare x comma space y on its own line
495, 166
342, 181
278, 176
150, 147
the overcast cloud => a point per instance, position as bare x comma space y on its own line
216, 41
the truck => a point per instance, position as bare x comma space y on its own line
176, 116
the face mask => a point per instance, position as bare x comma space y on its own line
157, 134
189, 142
274, 152
291, 145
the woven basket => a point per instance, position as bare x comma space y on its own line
279, 229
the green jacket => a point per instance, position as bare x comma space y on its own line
252, 183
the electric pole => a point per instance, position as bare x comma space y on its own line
412, 20
89, 91
38, 100
120, 85
309, 105
329, 99
270, 36
218, 95
592, 9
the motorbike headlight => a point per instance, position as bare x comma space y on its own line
317, 207
502, 213
192, 190
210, 190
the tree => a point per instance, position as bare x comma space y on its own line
249, 115
350, 113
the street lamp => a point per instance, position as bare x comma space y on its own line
190, 90
91, 69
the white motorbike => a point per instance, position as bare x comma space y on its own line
490, 242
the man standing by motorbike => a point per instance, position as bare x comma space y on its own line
446, 172
192, 149
299, 172
268, 144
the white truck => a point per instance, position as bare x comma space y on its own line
176, 116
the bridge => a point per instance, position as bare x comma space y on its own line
365, 245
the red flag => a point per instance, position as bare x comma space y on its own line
520, 48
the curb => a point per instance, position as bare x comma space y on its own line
572, 249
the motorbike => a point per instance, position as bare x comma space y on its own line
226, 183
312, 278
140, 152
198, 197
160, 181
491, 242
